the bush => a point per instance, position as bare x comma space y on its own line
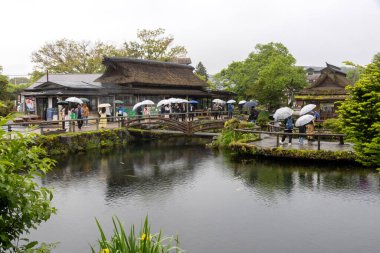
334, 125
229, 136
23, 202
6, 108
263, 119
144, 241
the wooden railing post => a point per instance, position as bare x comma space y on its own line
9, 128
97, 124
319, 142
341, 141
278, 139
41, 129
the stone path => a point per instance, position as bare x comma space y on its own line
268, 141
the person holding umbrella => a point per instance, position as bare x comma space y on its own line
289, 125
79, 113
302, 130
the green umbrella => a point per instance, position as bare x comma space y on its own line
85, 100
118, 102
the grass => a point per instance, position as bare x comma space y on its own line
143, 242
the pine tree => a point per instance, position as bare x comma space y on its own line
360, 114
200, 70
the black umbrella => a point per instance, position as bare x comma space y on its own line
62, 103
251, 104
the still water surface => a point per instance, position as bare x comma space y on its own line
213, 203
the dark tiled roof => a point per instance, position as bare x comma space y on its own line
66, 79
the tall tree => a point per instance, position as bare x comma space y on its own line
153, 45
200, 70
360, 114
268, 74
3, 87
69, 56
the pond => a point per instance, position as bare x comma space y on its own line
214, 203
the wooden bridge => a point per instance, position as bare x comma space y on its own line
172, 124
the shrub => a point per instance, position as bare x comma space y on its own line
334, 125
144, 241
263, 119
23, 202
6, 108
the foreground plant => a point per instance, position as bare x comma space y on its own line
24, 204
360, 114
143, 242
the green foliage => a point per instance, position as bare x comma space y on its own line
268, 75
200, 70
143, 242
69, 56
3, 87
153, 45
334, 125
263, 119
322, 155
23, 202
6, 108
360, 115
229, 136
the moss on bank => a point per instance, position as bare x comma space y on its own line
57, 144
321, 155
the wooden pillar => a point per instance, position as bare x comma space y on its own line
319, 142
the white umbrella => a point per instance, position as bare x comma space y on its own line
162, 102
145, 102
282, 113
307, 108
104, 105
218, 101
231, 101
136, 105
242, 102
303, 120
181, 101
174, 100
74, 100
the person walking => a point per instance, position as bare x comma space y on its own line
302, 130
310, 132
191, 112
103, 118
79, 113
86, 113
64, 115
289, 125
230, 109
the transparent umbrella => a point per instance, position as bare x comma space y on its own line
74, 100
304, 119
282, 113
307, 108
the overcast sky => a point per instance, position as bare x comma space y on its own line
215, 32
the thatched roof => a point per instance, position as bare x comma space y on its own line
125, 71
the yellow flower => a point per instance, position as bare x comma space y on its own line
105, 250
145, 237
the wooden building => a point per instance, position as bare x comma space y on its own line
325, 92
127, 79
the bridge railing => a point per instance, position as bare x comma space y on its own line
317, 136
57, 126
71, 125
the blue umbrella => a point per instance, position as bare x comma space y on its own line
193, 102
251, 104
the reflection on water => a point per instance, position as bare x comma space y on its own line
214, 203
